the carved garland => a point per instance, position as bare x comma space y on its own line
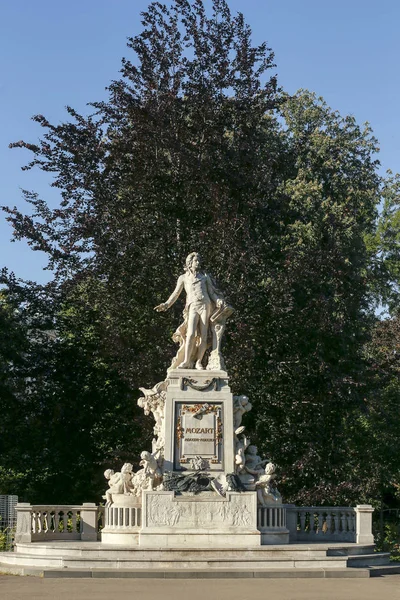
192, 383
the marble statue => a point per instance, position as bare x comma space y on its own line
127, 474
115, 484
241, 445
150, 467
241, 405
267, 493
254, 463
205, 310
149, 477
119, 483
154, 402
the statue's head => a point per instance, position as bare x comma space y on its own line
269, 469
252, 449
108, 473
145, 455
193, 261
127, 468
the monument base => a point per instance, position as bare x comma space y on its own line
204, 520
196, 539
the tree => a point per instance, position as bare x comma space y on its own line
197, 149
66, 413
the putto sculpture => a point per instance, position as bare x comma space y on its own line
205, 315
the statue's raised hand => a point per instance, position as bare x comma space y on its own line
161, 307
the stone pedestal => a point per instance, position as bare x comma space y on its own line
123, 520
271, 522
24, 522
199, 421
205, 520
364, 524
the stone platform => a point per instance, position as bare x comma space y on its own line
87, 559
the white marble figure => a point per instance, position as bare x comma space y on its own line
119, 483
267, 493
127, 474
198, 463
149, 476
115, 484
241, 445
205, 309
241, 405
154, 402
254, 464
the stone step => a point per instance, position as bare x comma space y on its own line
281, 573
350, 549
93, 549
369, 560
392, 568
171, 562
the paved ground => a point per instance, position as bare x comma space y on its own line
21, 588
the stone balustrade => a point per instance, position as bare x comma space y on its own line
305, 524
127, 518
46, 522
330, 523
271, 517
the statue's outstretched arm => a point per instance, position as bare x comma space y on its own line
173, 297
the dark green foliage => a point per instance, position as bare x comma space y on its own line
197, 149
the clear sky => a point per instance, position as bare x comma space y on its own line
55, 53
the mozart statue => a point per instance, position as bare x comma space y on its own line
205, 315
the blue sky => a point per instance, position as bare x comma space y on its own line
54, 54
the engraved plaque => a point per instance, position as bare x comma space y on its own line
198, 432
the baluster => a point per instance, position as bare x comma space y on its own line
35, 522
56, 522
45, 521
302, 522
328, 524
312, 523
73, 521
42, 522
343, 519
64, 518
320, 516
50, 521
336, 523
352, 525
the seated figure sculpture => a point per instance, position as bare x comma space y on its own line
205, 308
267, 493
119, 484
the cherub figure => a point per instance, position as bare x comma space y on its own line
254, 463
267, 493
150, 469
241, 405
127, 475
115, 483
241, 445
